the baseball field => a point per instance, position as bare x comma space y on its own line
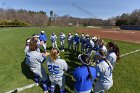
15, 74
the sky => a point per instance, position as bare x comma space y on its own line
103, 9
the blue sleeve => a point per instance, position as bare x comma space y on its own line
39, 36
46, 37
75, 74
94, 73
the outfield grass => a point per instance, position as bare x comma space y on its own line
14, 73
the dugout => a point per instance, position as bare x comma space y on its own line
130, 27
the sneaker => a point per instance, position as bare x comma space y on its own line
37, 84
46, 92
62, 50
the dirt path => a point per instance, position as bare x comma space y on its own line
123, 35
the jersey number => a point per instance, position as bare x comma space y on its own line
53, 69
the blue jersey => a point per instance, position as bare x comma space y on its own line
82, 40
42, 37
82, 82
88, 44
76, 39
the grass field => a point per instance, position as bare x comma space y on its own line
14, 73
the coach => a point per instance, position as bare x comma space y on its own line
43, 39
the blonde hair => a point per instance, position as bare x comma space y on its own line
54, 54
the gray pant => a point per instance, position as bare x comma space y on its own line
41, 72
70, 44
62, 42
54, 44
58, 81
100, 87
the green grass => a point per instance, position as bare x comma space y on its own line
14, 73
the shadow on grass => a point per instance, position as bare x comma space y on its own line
26, 70
28, 73
72, 63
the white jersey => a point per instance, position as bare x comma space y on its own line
53, 38
62, 37
112, 58
35, 63
57, 68
70, 38
104, 48
35, 59
26, 50
92, 43
104, 72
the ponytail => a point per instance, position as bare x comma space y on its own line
117, 51
54, 53
89, 75
86, 60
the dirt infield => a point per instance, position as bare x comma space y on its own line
123, 35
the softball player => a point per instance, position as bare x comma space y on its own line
27, 46
26, 50
56, 68
35, 62
53, 40
104, 73
36, 39
70, 41
88, 44
83, 43
76, 42
113, 53
43, 39
101, 44
91, 46
84, 75
62, 40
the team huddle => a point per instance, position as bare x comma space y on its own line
97, 58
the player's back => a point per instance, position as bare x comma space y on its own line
35, 59
56, 68
112, 58
104, 72
81, 74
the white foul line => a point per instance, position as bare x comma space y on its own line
22, 88
34, 84
130, 53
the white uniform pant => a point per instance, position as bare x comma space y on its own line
44, 46
101, 87
58, 81
41, 72
54, 44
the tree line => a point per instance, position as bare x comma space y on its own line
13, 17
132, 18
22, 18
